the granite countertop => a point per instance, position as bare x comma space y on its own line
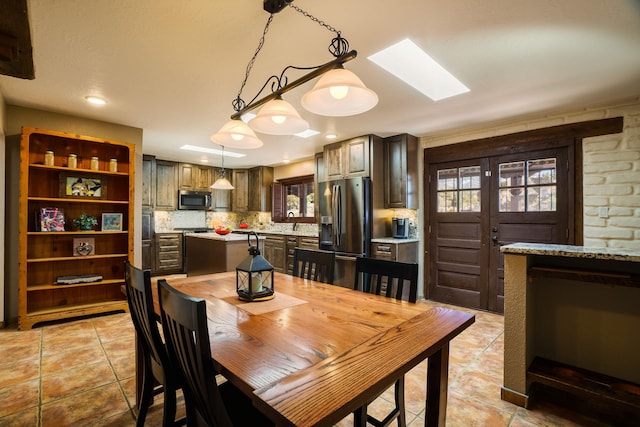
572, 251
392, 240
231, 237
277, 232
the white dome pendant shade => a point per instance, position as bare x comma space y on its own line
236, 134
339, 92
222, 183
278, 117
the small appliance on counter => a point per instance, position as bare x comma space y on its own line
400, 228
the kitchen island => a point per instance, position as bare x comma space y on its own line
209, 253
572, 322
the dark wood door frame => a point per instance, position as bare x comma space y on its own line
538, 139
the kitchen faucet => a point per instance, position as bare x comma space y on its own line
292, 215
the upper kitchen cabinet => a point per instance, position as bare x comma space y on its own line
148, 182
195, 177
348, 159
220, 199
166, 185
260, 179
401, 171
241, 193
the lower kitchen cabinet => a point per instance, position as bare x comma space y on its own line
148, 257
294, 242
395, 250
168, 253
275, 251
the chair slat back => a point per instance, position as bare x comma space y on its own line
184, 321
313, 264
140, 300
390, 278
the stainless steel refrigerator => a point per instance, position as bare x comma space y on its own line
345, 208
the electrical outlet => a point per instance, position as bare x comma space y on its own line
603, 212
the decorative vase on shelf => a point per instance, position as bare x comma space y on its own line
85, 222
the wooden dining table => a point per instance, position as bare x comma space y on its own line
316, 352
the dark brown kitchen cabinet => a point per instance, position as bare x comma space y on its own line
148, 181
168, 253
349, 159
195, 177
260, 179
148, 250
166, 185
401, 172
392, 251
294, 242
240, 194
275, 251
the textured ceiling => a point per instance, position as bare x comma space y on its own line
172, 67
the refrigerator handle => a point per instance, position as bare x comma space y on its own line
336, 208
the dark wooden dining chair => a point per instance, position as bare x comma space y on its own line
397, 280
314, 264
184, 321
158, 375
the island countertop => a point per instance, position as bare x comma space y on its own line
231, 237
570, 251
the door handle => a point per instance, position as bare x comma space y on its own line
495, 240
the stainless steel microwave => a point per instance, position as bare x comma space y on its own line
194, 200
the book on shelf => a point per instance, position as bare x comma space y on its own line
84, 278
51, 219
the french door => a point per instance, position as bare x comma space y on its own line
477, 205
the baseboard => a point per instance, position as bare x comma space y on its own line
514, 397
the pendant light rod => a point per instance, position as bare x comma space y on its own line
321, 69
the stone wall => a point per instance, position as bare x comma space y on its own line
612, 185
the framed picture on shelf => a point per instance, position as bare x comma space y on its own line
83, 246
51, 219
111, 222
82, 186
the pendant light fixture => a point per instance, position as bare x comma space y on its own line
236, 134
338, 93
278, 117
222, 183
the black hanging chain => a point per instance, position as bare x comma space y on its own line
238, 104
339, 45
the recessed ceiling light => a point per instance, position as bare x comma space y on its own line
285, 160
95, 100
331, 136
409, 63
226, 153
307, 133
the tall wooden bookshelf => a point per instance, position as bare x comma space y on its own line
46, 256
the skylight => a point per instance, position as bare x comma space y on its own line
409, 63
199, 149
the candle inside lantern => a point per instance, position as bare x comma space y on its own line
256, 282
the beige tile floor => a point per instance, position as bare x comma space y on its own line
81, 373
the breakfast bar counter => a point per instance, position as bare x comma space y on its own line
572, 321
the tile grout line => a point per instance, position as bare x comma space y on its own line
113, 371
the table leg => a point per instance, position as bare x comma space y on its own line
437, 385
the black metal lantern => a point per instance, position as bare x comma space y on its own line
254, 275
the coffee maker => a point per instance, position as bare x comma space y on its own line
400, 228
